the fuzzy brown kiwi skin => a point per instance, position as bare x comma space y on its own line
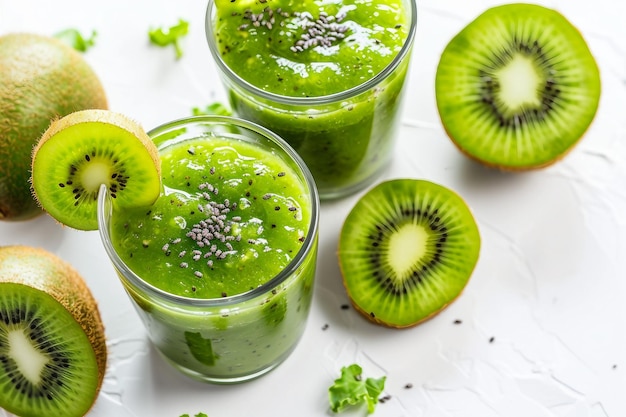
102, 116
96, 115
42, 78
42, 270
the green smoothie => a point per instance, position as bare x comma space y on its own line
232, 216
327, 76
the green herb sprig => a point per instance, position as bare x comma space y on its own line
352, 389
170, 36
76, 40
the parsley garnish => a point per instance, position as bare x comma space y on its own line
216, 108
76, 40
352, 389
170, 36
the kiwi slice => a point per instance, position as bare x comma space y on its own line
86, 149
406, 250
518, 87
52, 343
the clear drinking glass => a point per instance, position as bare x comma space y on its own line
233, 338
345, 138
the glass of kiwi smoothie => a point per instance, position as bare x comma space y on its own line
221, 268
327, 76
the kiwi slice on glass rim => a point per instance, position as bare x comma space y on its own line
406, 250
53, 350
518, 87
83, 150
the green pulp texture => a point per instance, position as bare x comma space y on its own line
356, 40
228, 344
344, 142
231, 216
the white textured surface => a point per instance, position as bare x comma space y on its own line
549, 288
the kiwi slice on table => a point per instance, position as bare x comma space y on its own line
407, 250
52, 343
518, 87
86, 149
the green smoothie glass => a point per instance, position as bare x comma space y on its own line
221, 268
326, 76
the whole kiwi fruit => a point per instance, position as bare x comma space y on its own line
41, 78
52, 343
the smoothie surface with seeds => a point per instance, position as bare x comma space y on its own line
310, 47
231, 216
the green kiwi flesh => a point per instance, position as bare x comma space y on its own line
52, 344
85, 149
406, 250
517, 87
45, 368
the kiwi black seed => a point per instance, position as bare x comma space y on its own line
52, 343
518, 87
80, 152
406, 250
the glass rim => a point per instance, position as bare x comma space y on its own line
313, 100
104, 211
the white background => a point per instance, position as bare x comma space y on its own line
549, 286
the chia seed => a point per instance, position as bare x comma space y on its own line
324, 31
211, 235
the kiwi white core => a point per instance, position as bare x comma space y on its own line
406, 246
29, 360
96, 174
519, 83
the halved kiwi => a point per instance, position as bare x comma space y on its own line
407, 250
85, 149
517, 87
52, 344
